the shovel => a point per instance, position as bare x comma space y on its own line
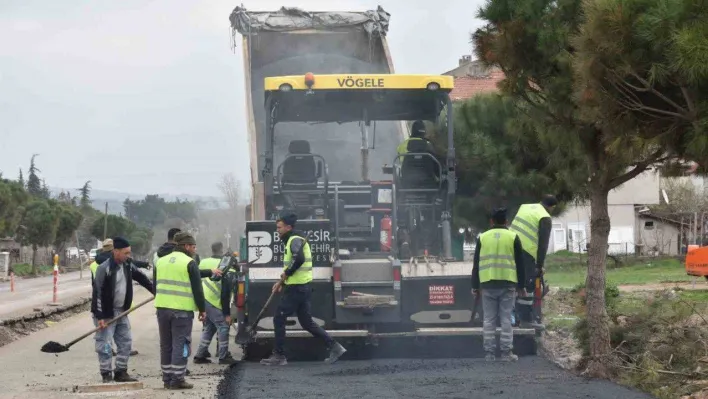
474, 307
56, 347
248, 334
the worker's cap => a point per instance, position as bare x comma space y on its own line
549, 201
499, 215
120, 243
418, 128
288, 218
107, 245
217, 248
183, 238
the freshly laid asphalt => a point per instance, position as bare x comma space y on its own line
531, 377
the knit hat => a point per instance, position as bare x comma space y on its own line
499, 215
120, 243
289, 218
107, 245
183, 238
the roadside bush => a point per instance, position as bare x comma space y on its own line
660, 343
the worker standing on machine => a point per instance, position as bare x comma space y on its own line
297, 293
218, 309
533, 225
499, 273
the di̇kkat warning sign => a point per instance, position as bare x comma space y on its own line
441, 294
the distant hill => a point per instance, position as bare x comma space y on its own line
115, 199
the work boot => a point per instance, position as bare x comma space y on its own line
201, 360
181, 384
490, 357
122, 376
509, 357
275, 359
187, 372
228, 360
107, 377
538, 326
335, 353
207, 353
133, 352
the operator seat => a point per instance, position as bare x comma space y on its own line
301, 170
419, 171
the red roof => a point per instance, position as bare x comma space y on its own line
468, 86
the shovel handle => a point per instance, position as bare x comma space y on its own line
260, 315
113, 320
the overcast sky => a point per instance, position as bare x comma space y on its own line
147, 97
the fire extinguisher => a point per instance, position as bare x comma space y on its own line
385, 239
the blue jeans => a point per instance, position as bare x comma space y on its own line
118, 332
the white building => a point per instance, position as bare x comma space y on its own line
571, 230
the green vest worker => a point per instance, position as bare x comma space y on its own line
297, 293
499, 273
178, 286
417, 134
218, 309
533, 226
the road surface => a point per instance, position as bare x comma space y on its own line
37, 292
530, 378
26, 372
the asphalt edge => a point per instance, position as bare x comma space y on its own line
20, 326
229, 386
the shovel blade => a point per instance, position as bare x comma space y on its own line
53, 347
245, 336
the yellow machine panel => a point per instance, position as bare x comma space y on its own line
359, 81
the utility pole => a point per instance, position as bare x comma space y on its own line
78, 249
105, 223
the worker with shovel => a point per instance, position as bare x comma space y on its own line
113, 294
297, 293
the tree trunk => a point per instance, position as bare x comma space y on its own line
598, 323
34, 260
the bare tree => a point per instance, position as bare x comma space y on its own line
231, 189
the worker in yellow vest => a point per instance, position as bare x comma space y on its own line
297, 293
499, 273
218, 294
178, 287
533, 226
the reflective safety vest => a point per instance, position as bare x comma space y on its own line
403, 147
526, 224
496, 259
212, 289
93, 266
303, 274
174, 290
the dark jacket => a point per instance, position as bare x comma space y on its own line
296, 248
100, 258
195, 277
544, 237
518, 260
105, 284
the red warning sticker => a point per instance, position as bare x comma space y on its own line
441, 294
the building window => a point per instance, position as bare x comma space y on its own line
649, 225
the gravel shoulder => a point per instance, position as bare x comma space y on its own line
26, 372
